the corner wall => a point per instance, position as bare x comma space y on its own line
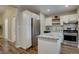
9, 14
42, 23
78, 25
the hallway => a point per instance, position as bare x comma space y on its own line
9, 48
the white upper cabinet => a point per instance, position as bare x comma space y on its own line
49, 21
63, 19
68, 18
73, 17
52, 20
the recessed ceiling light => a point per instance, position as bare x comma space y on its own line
48, 10
38, 18
66, 5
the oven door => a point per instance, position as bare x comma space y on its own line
70, 38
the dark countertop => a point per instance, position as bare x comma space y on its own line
71, 31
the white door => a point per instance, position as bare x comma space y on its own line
5, 29
13, 30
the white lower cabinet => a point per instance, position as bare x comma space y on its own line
48, 46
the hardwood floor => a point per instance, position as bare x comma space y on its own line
65, 49
1, 47
13, 49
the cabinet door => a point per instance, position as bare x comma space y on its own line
73, 17
49, 21
45, 46
63, 19
68, 18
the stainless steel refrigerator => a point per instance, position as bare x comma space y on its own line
35, 30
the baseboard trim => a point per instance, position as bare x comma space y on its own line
17, 46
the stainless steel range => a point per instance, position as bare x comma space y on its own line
70, 31
70, 37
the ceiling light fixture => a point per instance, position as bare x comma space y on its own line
38, 18
66, 5
48, 10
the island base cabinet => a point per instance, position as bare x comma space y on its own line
48, 46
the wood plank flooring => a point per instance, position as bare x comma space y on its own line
13, 49
65, 49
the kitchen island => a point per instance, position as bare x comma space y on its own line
49, 44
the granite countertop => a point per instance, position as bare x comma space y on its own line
54, 35
46, 36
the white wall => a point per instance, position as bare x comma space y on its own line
1, 19
1, 24
42, 23
18, 30
78, 25
8, 15
13, 29
26, 30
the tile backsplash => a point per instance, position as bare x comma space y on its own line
59, 28
54, 28
71, 26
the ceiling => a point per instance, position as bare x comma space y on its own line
2, 8
54, 9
